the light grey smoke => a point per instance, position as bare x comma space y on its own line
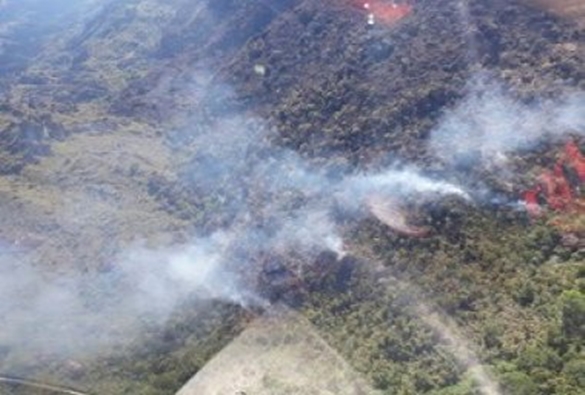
72, 314
275, 202
269, 200
489, 123
396, 183
170, 275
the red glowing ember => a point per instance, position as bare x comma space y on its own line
530, 198
575, 159
556, 187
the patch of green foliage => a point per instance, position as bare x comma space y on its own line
509, 285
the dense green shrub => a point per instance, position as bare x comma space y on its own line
573, 314
518, 383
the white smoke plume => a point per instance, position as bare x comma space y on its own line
275, 202
79, 313
489, 123
272, 200
274, 196
403, 183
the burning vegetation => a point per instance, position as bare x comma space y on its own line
247, 216
559, 189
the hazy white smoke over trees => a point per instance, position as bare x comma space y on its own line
489, 123
275, 201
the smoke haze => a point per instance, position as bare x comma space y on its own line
273, 201
489, 123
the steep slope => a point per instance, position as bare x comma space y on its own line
99, 148
153, 60
26, 25
128, 60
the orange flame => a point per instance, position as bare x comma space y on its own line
560, 192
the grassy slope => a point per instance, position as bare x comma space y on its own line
504, 282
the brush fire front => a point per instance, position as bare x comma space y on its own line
559, 188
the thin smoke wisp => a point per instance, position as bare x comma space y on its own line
273, 201
490, 124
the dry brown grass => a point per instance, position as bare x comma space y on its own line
279, 354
